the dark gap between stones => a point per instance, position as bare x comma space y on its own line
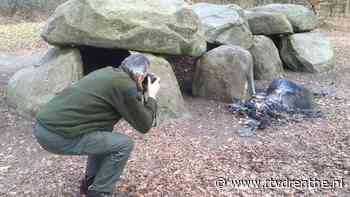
277, 40
211, 46
95, 58
184, 68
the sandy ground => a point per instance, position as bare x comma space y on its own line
187, 158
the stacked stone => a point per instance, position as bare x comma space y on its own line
276, 36
290, 27
232, 47
150, 27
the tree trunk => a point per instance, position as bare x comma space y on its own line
13, 7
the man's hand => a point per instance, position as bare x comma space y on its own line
153, 88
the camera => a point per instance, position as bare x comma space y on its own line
145, 81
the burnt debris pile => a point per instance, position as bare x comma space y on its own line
284, 101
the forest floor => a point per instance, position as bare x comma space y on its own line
188, 158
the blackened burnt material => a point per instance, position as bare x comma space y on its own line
289, 96
283, 101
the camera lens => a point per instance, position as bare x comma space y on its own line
145, 81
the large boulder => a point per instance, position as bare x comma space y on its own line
301, 18
266, 58
171, 104
158, 26
224, 24
35, 85
224, 73
307, 52
268, 23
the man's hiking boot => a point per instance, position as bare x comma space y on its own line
92, 193
85, 183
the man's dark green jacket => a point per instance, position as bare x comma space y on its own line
96, 103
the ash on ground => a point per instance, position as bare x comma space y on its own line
284, 101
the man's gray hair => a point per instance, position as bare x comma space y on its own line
135, 65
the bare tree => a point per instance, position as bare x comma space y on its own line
315, 5
332, 6
13, 5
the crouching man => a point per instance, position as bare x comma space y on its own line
80, 120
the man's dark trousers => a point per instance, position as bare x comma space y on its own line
107, 153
